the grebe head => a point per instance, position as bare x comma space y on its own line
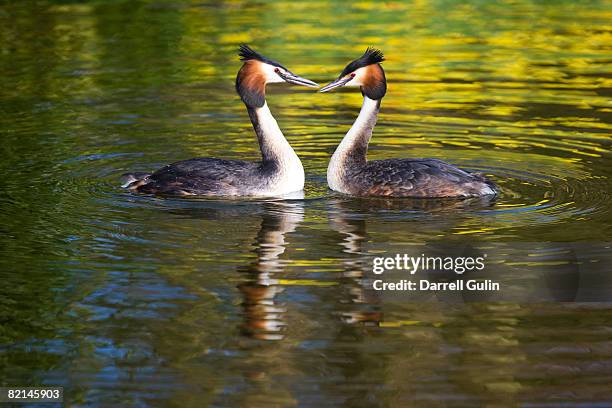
258, 71
364, 72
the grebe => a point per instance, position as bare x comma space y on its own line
280, 172
350, 172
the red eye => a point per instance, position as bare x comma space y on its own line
276, 70
353, 75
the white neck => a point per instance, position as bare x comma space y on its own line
276, 152
353, 149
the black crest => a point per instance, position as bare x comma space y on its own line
246, 53
369, 57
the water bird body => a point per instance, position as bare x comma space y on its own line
280, 171
350, 172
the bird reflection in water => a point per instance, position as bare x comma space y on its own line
362, 308
348, 217
263, 314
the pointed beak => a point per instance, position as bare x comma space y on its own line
298, 80
336, 84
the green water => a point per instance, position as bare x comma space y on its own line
130, 300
